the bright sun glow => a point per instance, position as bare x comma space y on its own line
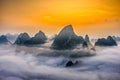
51, 16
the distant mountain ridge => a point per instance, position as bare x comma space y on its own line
66, 39
4, 40
25, 39
109, 41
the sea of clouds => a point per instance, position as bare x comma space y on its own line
43, 63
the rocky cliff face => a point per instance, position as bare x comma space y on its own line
25, 39
106, 42
87, 39
66, 39
3, 39
22, 38
39, 38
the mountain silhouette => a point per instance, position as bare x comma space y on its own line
25, 39
66, 39
106, 42
3, 39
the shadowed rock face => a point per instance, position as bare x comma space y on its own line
106, 42
3, 39
24, 39
87, 39
66, 39
39, 38
86, 42
71, 63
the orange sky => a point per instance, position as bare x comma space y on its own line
93, 17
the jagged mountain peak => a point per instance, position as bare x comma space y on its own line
25, 35
3, 39
87, 38
67, 29
25, 39
109, 41
40, 33
110, 38
66, 39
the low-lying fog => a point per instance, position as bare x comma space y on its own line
43, 63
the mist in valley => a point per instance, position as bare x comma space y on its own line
44, 63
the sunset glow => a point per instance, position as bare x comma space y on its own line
91, 17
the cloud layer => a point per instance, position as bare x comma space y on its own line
23, 64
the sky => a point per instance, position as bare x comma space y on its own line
92, 17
